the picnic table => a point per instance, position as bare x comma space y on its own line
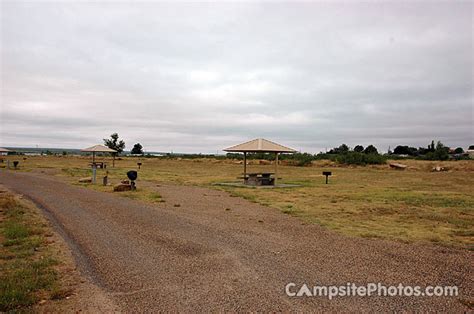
98, 164
260, 178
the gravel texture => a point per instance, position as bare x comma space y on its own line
220, 253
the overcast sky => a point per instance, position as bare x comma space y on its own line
198, 77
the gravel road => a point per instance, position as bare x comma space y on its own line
217, 252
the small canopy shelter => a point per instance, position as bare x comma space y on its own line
260, 145
98, 149
4, 151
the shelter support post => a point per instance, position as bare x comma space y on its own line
94, 174
276, 168
245, 166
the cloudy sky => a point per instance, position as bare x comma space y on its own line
198, 77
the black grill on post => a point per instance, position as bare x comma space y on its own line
327, 174
132, 175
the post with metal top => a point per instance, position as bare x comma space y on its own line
106, 178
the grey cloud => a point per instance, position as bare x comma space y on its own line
197, 77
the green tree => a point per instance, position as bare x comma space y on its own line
441, 152
407, 150
431, 147
114, 143
343, 148
459, 150
137, 149
371, 149
359, 148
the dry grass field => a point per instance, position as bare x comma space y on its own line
373, 201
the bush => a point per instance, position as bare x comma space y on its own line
405, 150
355, 158
325, 156
303, 159
441, 152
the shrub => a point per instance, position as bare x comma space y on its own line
303, 159
440, 152
325, 156
355, 158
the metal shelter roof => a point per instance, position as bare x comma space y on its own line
260, 145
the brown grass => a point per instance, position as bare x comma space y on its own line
374, 201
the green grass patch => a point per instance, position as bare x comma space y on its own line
14, 230
143, 194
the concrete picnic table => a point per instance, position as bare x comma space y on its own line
98, 164
260, 178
